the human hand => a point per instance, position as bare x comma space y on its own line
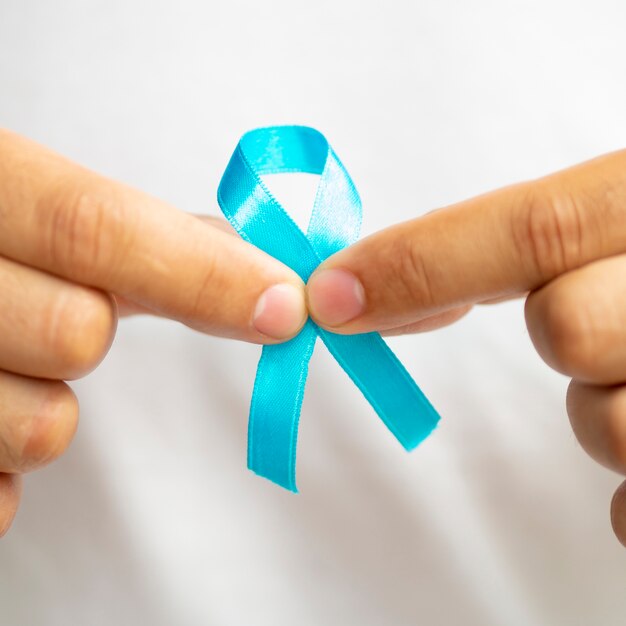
561, 238
72, 244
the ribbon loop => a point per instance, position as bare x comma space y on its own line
334, 224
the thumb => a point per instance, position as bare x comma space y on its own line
68, 221
500, 244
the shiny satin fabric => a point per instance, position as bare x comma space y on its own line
334, 224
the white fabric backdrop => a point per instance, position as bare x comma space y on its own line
151, 518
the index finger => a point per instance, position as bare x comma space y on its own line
62, 218
503, 243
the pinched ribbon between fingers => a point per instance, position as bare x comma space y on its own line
334, 224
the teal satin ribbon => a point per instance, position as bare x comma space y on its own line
335, 223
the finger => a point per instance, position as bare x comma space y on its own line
430, 323
502, 243
10, 494
440, 320
38, 419
576, 322
618, 513
49, 327
507, 298
66, 220
598, 418
218, 222
126, 307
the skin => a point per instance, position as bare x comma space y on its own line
559, 241
76, 249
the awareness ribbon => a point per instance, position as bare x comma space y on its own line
334, 224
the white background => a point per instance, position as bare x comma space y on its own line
151, 518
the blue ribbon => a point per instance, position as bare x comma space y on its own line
334, 224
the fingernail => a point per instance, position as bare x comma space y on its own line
335, 297
280, 311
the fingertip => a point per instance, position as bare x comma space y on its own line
335, 297
280, 311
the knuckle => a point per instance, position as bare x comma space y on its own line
48, 433
79, 329
598, 419
409, 277
567, 332
548, 231
204, 301
85, 226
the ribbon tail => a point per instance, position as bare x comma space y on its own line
275, 408
385, 383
